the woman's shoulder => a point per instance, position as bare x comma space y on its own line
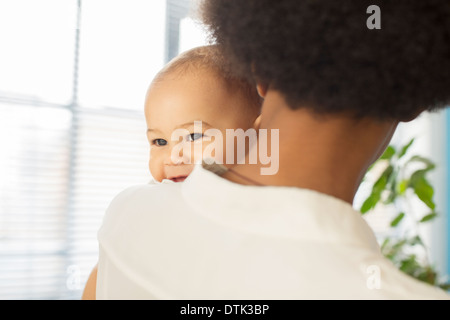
144, 194
134, 200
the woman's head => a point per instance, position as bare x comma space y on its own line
321, 55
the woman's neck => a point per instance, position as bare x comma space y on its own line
329, 155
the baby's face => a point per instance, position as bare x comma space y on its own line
177, 102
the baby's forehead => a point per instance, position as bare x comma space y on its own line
200, 83
191, 72
209, 80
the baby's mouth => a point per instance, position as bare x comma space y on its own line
178, 178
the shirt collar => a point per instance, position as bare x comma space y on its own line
288, 212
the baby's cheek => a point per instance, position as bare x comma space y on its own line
196, 151
214, 150
156, 166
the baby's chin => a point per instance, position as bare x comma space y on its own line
178, 178
178, 173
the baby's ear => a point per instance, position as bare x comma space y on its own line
256, 123
262, 90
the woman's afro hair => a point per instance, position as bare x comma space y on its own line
321, 54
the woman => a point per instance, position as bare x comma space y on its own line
335, 90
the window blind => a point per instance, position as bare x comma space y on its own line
110, 154
65, 153
33, 199
58, 177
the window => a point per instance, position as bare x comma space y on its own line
72, 85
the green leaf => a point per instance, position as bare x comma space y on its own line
391, 187
382, 181
426, 274
402, 186
429, 165
391, 197
385, 243
399, 244
370, 202
397, 219
409, 264
405, 148
445, 286
377, 188
388, 153
415, 240
417, 175
424, 191
429, 217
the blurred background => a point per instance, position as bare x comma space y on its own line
73, 78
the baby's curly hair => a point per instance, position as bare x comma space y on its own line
210, 57
320, 54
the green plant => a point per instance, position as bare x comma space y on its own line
402, 181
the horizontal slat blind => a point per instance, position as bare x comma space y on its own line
33, 193
110, 154
65, 155
50, 211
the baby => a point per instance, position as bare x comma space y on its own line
191, 94
194, 88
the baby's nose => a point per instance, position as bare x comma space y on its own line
176, 156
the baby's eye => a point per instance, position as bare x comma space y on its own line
159, 142
194, 136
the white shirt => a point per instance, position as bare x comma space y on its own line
209, 238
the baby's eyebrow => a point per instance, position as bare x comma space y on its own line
184, 125
191, 123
